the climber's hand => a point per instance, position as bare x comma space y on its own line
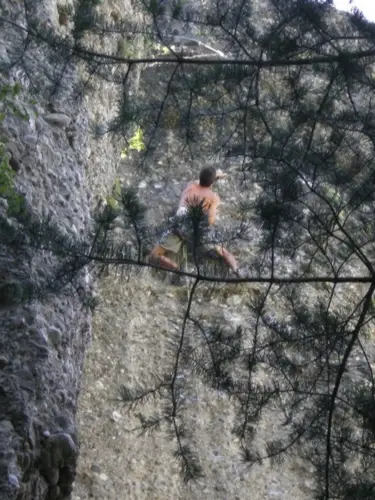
220, 174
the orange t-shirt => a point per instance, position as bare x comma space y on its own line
194, 194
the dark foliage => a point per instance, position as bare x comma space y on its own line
286, 88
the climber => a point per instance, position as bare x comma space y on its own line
198, 192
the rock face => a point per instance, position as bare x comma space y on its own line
42, 342
59, 171
137, 322
133, 331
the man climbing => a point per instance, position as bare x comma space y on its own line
196, 193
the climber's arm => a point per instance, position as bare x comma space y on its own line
213, 209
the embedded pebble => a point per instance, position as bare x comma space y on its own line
13, 480
55, 335
58, 119
116, 417
3, 361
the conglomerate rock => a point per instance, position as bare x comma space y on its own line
42, 342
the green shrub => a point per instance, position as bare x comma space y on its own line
136, 143
8, 106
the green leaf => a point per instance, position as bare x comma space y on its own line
136, 142
112, 202
117, 188
17, 88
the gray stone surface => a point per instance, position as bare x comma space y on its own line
43, 342
58, 119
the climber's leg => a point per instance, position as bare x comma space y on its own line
157, 256
170, 243
228, 258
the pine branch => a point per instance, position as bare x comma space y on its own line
133, 397
336, 388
